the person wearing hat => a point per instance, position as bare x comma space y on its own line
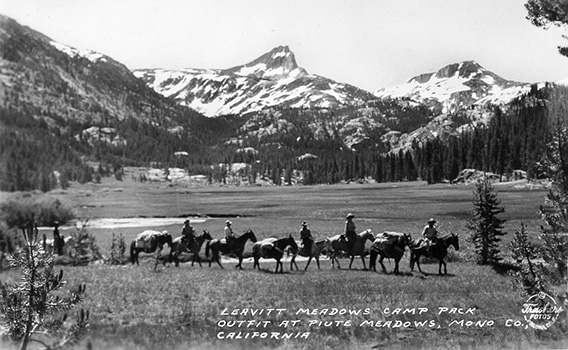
350, 233
306, 237
188, 233
430, 233
57, 241
229, 235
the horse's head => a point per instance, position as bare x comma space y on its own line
454, 240
206, 235
368, 235
250, 235
168, 239
292, 243
406, 240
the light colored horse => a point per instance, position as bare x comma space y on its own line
65, 250
336, 244
272, 248
388, 245
181, 245
315, 253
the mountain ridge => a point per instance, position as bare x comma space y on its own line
273, 79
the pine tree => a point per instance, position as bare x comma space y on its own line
34, 309
554, 212
486, 227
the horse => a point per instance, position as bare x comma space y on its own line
315, 253
149, 242
272, 248
337, 243
439, 251
388, 245
180, 245
220, 246
66, 243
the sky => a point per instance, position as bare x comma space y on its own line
366, 43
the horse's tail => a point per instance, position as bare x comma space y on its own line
132, 251
207, 249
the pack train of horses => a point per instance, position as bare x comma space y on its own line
390, 245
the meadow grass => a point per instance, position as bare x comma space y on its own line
178, 308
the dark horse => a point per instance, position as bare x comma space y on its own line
272, 248
388, 245
438, 251
315, 253
220, 246
335, 244
181, 245
149, 242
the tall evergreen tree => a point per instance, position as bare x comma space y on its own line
484, 223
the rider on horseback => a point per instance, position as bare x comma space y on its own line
430, 233
350, 233
188, 233
306, 237
229, 235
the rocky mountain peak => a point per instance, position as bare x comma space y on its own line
276, 63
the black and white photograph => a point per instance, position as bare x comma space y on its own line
283, 175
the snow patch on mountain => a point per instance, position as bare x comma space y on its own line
73, 52
457, 86
273, 79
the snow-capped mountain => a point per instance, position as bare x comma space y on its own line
273, 79
457, 86
50, 78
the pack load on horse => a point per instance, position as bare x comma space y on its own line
184, 244
337, 244
220, 246
272, 248
149, 241
388, 245
437, 251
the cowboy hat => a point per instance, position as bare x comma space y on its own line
304, 223
350, 216
432, 221
228, 222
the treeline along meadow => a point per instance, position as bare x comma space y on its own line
48, 151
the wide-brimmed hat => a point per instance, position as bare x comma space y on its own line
431, 221
186, 222
350, 216
304, 223
228, 222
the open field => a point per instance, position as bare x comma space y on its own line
180, 308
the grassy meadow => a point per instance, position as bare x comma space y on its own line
190, 307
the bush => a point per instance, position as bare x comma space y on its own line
117, 250
45, 211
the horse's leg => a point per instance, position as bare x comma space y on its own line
217, 259
318, 261
308, 264
382, 265
363, 260
240, 265
396, 272
418, 263
351, 262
